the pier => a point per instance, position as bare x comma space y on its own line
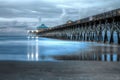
97, 28
102, 28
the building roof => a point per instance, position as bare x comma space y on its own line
42, 26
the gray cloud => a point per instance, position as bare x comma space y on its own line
51, 12
53, 9
30, 9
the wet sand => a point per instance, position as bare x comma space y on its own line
66, 70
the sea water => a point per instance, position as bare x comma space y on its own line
24, 48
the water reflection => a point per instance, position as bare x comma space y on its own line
95, 57
33, 49
108, 53
110, 57
52, 49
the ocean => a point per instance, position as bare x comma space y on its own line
24, 48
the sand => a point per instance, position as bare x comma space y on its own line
63, 70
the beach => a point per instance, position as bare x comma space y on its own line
22, 58
62, 70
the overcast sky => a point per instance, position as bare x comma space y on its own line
52, 12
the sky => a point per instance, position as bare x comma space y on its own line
29, 13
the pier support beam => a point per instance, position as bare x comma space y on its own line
105, 37
118, 37
111, 37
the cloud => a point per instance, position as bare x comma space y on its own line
63, 13
51, 12
51, 8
